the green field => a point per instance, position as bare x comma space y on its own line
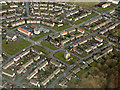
60, 55
13, 48
102, 10
42, 49
86, 4
84, 19
36, 38
45, 43
61, 28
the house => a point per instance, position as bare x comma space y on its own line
54, 62
72, 38
80, 30
65, 41
63, 83
54, 43
10, 63
88, 50
56, 71
99, 44
60, 24
28, 63
82, 42
76, 70
37, 58
106, 5
98, 39
16, 58
24, 53
11, 37
8, 73
69, 76
114, 1
18, 23
37, 51
42, 65
64, 33
24, 31
51, 76
71, 31
13, 6
34, 82
32, 74
55, 36
45, 82
84, 66
98, 56
78, 35
20, 70
89, 61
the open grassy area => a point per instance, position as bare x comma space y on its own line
84, 19
42, 49
61, 28
13, 48
5, 7
36, 38
45, 43
60, 55
86, 4
102, 10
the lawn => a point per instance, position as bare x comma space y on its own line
86, 4
102, 10
85, 19
5, 7
45, 43
36, 38
60, 55
13, 48
42, 49
61, 28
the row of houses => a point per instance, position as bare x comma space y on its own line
51, 76
110, 28
103, 53
32, 74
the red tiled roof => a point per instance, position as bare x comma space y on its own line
98, 38
23, 30
80, 29
64, 32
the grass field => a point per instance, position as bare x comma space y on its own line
102, 10
45, 43
84, 19
13, 48
61, 28
85, 4
60, 55
42, 49
36, 38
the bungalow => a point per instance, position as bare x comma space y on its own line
44, 5
11, 37
99, 44
24, 31
37, 51
43, 8
98, 39
8, 73
106, 5
63, 33
72, 38
51, 76
82, 42
60, 24
88, 50
55, 36
54, 62
34, 82
55, 43
56, 71
24, 53
11, 10
80, 30
8, 64
3, 11
48, 23
18, 23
